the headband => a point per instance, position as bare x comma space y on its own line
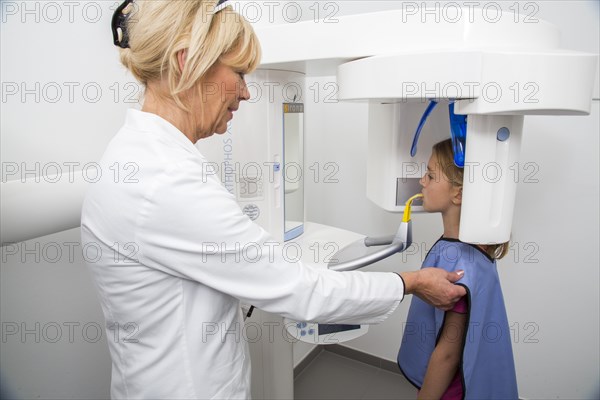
119, 22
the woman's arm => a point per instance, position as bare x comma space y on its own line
445, 359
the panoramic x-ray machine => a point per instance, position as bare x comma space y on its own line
486, 75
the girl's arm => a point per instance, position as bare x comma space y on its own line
445, 359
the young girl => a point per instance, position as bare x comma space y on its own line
464, 353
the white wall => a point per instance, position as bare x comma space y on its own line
64, 95
53, 341
44, 280
550, 277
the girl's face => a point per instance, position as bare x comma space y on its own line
439, 194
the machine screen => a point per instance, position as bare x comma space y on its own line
325, 329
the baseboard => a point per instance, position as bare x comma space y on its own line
353, 355
307, 360
366, 358
347, 352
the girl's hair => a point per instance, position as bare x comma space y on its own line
445, 157
159, 29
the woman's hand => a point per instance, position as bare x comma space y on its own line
434, 286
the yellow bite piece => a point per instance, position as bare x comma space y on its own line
406, 216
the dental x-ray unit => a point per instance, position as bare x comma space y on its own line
487, 74
495, 73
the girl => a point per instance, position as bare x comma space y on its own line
464, 353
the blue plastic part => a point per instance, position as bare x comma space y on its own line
458, 132
293, 233
503, 134
430, 107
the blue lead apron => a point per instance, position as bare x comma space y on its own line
487, 361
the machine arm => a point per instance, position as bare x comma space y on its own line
396, 244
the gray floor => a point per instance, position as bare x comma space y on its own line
331, 376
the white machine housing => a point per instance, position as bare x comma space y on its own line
248, 159
496, 70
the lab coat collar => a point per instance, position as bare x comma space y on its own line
149, 122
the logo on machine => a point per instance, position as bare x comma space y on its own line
252, 211
293, 107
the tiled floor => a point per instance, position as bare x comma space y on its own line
331, 376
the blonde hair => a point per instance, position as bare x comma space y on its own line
159, 29
445, 158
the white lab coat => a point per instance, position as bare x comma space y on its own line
160, 234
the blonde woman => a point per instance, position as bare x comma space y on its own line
164, 247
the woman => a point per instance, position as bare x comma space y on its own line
168, 267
